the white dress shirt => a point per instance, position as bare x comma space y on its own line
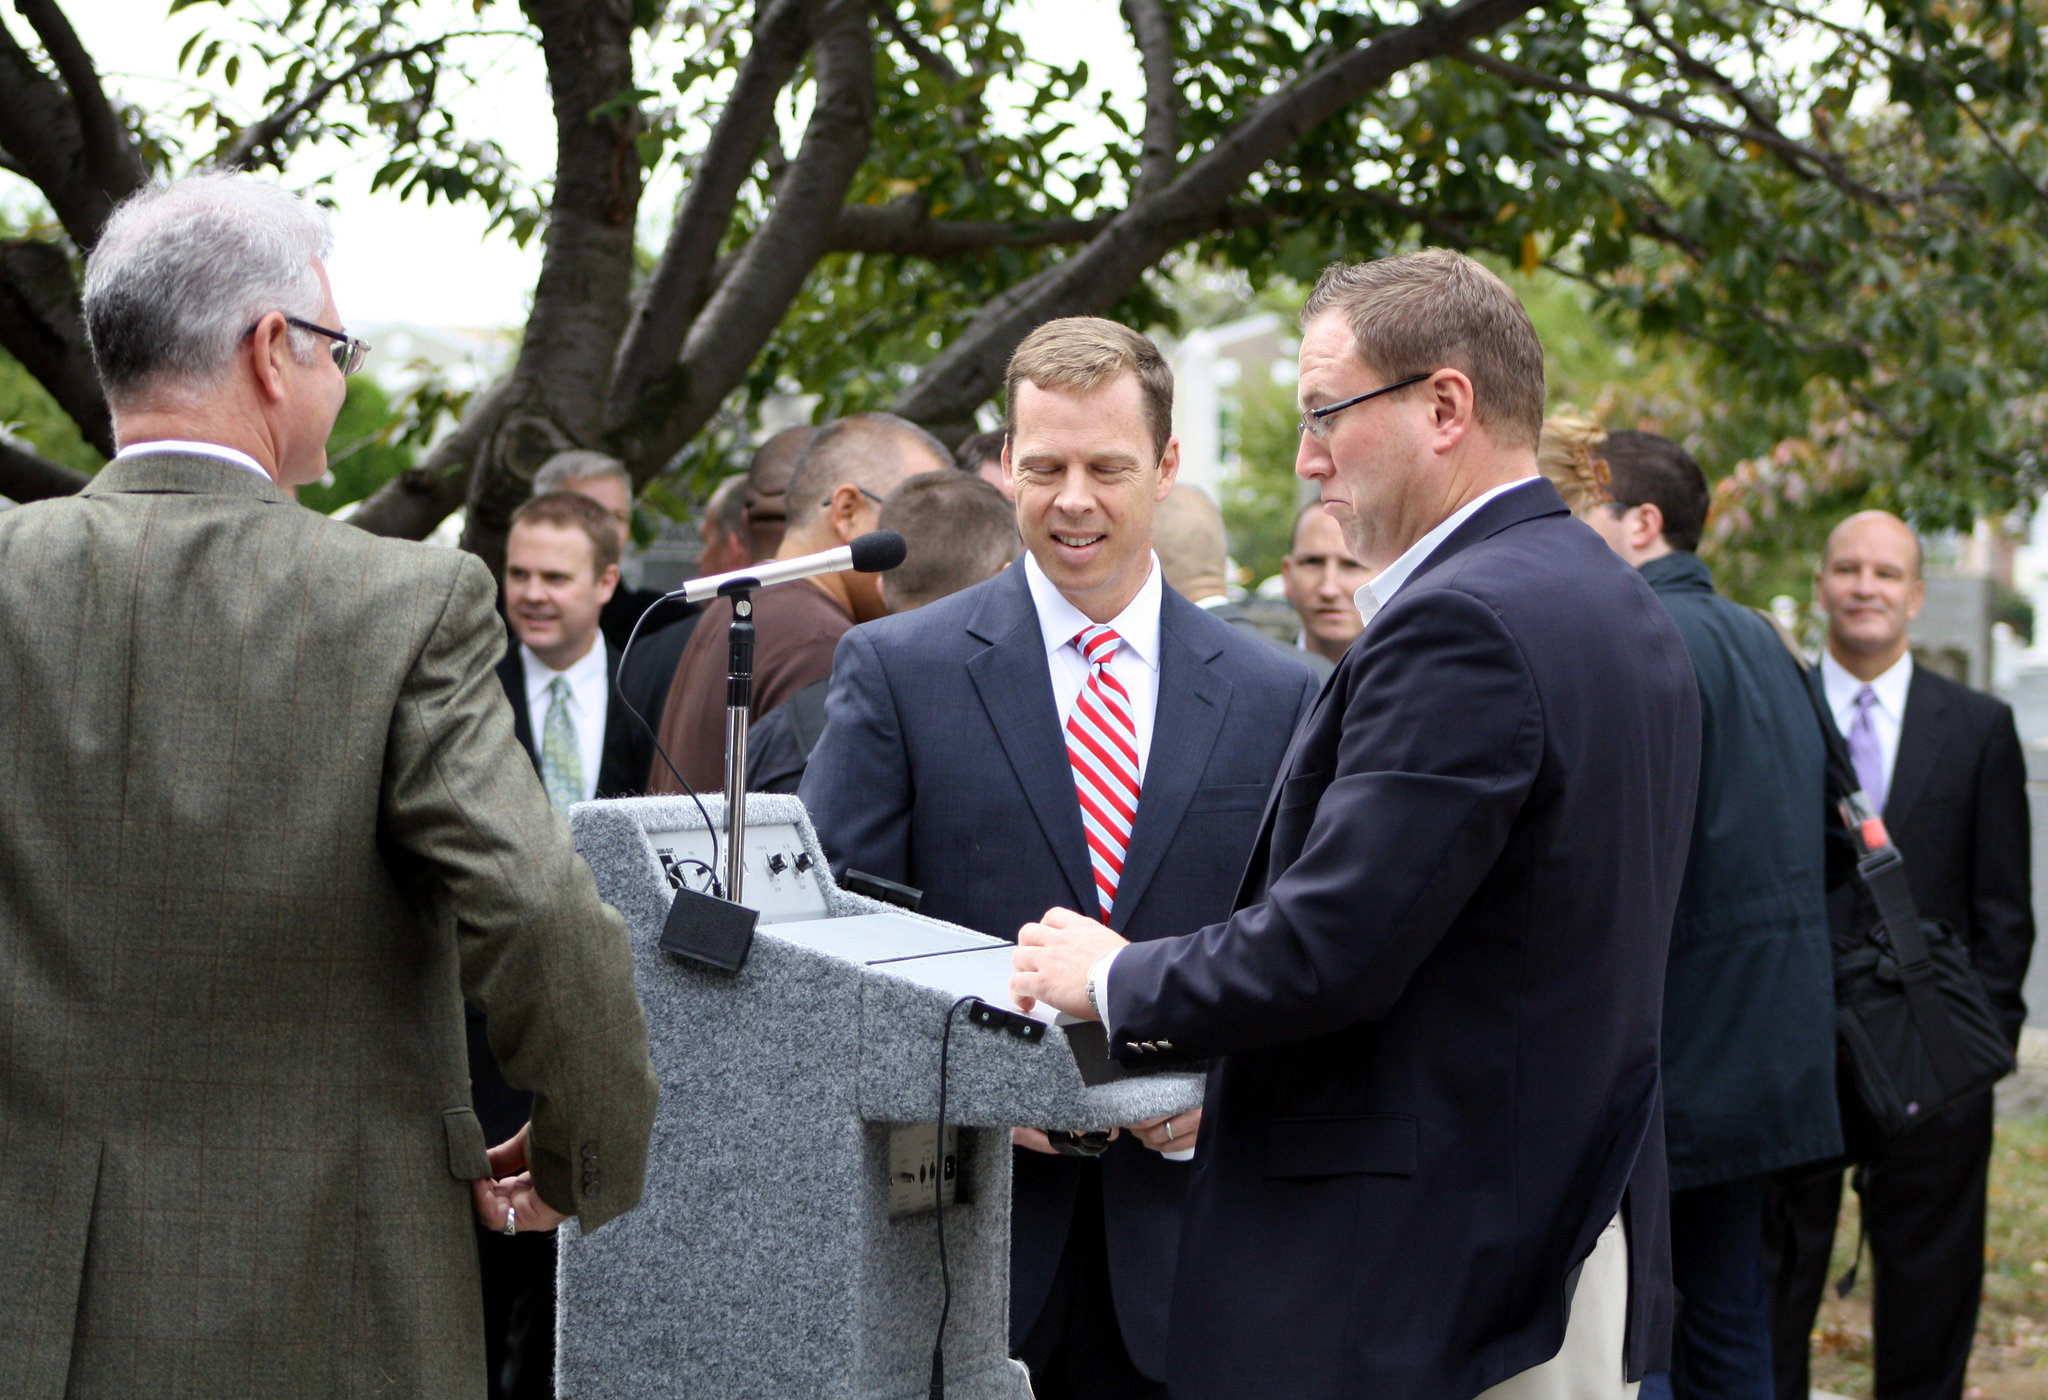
1136, 663
1373, 596
1885, 716
197, 449
589, 697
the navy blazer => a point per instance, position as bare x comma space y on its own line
1438, 1005
943, 766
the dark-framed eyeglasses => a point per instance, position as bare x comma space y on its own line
863, 490
1315, 421
347, 352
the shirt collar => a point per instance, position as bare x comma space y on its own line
197, 449
580, 674
1842, 688
1380, 591
1059, 620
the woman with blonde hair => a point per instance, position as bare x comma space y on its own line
1568, 456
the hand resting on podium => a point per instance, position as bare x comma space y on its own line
1052, 960
510, 1187
1051, 963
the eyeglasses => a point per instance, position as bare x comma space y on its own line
347, 352
863, 490
1315, 422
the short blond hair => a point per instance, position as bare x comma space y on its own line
1568, 455
1087, 352
1436, 309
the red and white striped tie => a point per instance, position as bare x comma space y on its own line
1102, 745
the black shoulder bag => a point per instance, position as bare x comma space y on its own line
1916, 1030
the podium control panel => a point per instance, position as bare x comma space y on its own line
782, 878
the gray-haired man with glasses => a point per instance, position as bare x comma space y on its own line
267, 825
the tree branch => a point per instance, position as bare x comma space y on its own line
682, 280
258, 136
105, 158
963, 375
410, 505
26, 475
926, 57
41, 326
1803, 158
672, 404
582, 298
42, 134
903, 226
1159, 155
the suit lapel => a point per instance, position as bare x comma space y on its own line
1921, 736
1015, 687
1262, 845
512, 675
1191, 706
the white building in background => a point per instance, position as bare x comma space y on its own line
1207, 365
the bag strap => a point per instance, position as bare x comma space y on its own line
1883, 872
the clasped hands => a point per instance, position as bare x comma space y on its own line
1051, 965
508, 1191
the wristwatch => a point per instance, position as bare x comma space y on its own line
1095, 970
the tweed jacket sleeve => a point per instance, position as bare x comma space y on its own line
546, 960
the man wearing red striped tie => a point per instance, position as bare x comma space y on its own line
1071, 733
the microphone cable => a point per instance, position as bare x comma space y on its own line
937, 1390
624, 652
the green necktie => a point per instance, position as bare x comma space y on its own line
561, 757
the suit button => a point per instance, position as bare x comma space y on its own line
590, 1152
1165, 1045
1132, 1045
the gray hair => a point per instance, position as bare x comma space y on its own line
183, 271
578, 464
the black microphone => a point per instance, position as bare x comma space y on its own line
876, 552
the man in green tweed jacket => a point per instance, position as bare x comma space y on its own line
265, 824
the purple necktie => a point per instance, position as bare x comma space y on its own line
1864, 750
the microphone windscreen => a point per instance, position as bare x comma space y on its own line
878, 551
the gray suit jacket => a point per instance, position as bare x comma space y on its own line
266, 825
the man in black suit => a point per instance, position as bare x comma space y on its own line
1431, 1162
1943, 765
561, 676
1069, 732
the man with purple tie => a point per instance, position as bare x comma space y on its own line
1943, 764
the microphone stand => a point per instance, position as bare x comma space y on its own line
739, 697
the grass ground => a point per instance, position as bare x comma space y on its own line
2010, 1361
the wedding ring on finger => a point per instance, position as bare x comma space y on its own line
511, 1221
1169, 1130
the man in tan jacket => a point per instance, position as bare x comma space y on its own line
265, 826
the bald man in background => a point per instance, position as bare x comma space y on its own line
1194, 554
1322, 580
831, 498
1943, 765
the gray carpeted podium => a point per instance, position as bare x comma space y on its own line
787, 1245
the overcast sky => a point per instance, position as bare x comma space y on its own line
401, 260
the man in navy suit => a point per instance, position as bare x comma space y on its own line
1432, 1165
561, 676
1070, 732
